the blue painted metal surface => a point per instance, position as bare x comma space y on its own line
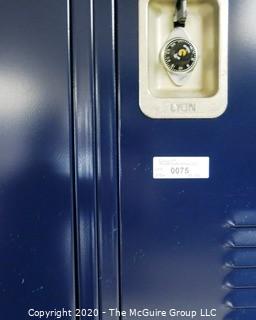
181, 239
84, 154
36, 269
107, 155
183, 244
96, 153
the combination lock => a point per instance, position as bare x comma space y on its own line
179, 55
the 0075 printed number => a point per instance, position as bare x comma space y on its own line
179, 171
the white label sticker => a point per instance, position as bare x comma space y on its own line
181, 167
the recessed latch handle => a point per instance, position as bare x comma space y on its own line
180, 14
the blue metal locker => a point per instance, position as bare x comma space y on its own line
36, 238
183, 244
189, 244
85, 223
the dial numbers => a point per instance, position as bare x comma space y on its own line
180, 55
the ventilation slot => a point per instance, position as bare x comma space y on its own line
240, 262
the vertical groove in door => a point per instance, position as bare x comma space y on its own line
107, 155
73, 132
118, 160
96, 166
98, 297
84, 154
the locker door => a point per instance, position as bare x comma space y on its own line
36, 240
189, 244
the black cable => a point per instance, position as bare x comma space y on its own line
181, 14
178, 4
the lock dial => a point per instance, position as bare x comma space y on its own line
179, 55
